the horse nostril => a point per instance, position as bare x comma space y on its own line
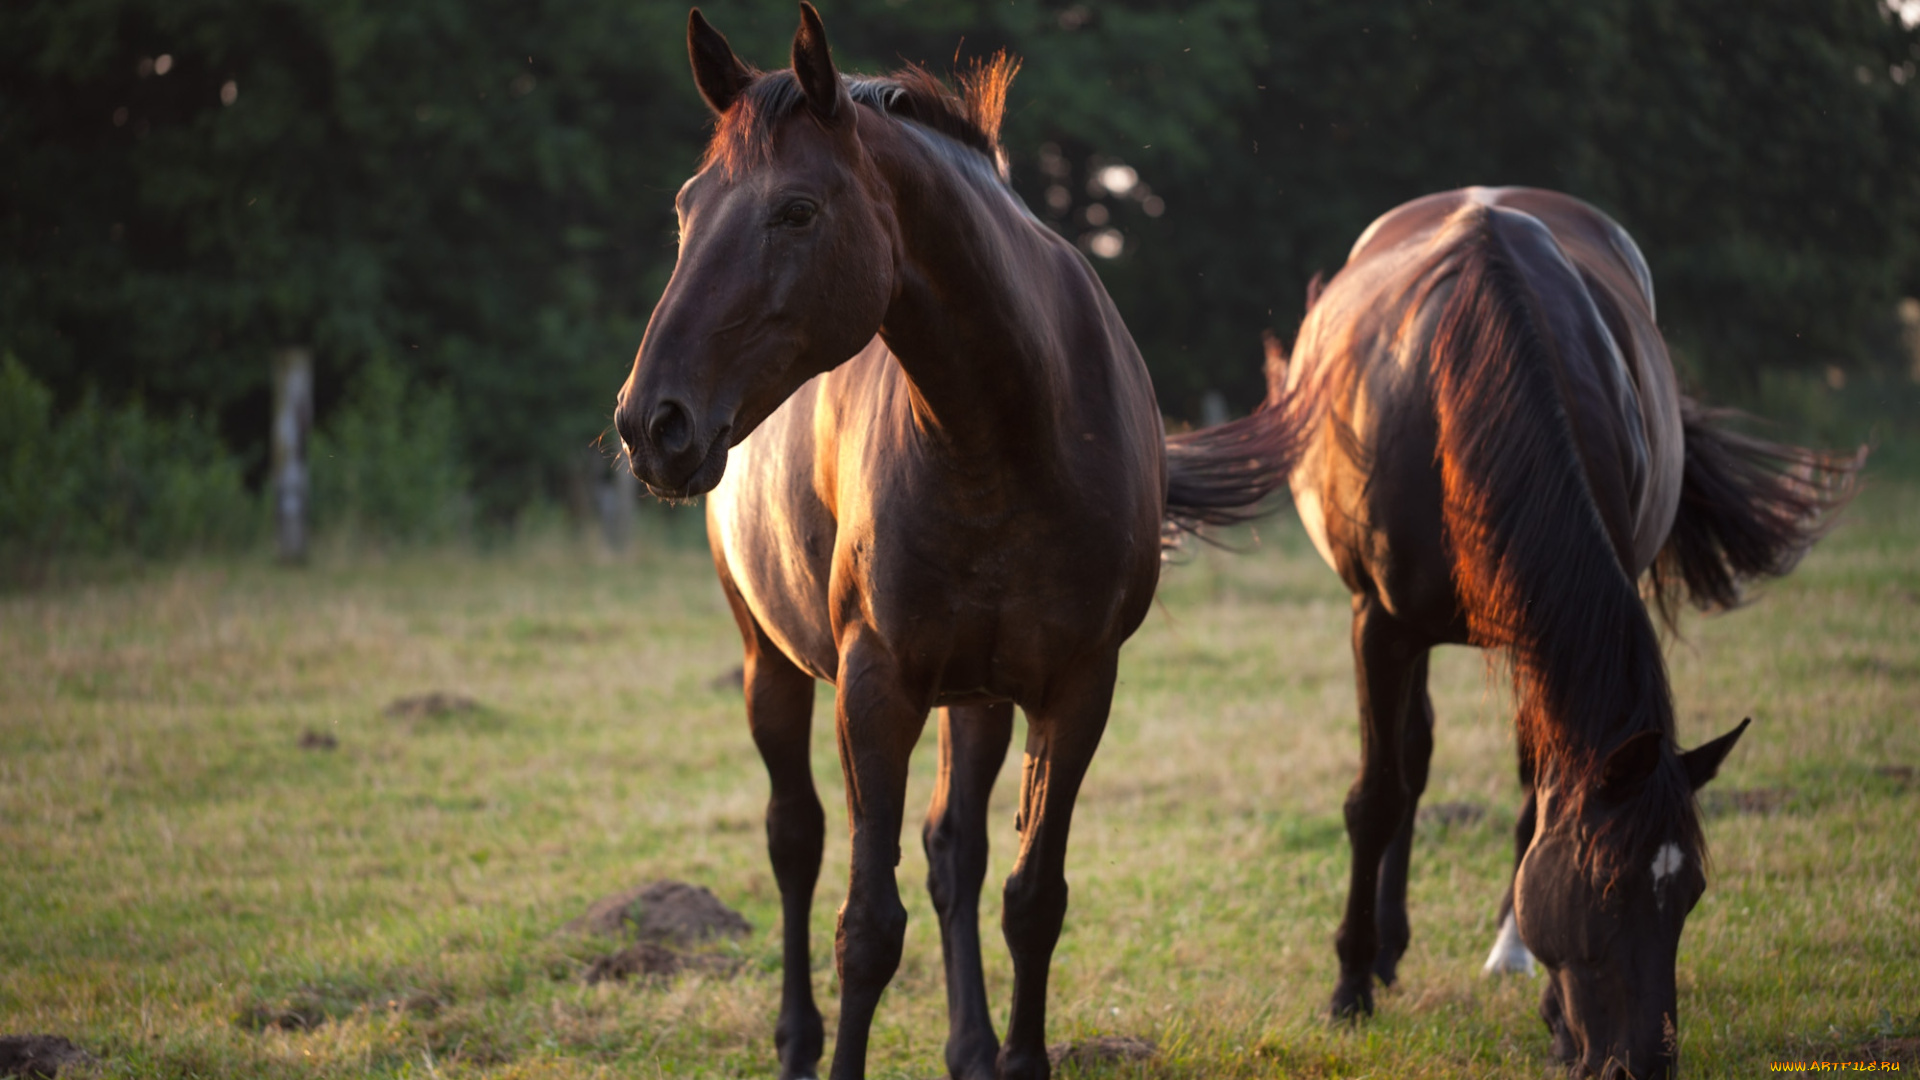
671, 429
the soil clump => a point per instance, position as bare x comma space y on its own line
40, 1057
662, 912
667, 922
433, 706
318, 740
1101, 1050
1450, 813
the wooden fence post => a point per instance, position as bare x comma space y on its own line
619, 497
292, 421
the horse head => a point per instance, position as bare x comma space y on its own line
1601, 898
786, 262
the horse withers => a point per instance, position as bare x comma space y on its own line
937, 478
1501, 456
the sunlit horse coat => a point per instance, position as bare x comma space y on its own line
1502, 455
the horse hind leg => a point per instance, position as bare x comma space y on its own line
1385, 656
780, 712
1390, 902
973, 746
1509, 955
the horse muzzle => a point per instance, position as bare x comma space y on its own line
670, 452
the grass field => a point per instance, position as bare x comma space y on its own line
176, 870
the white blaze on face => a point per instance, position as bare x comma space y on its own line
1509, 955
1666, 862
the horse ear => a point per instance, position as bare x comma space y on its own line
720, 75
1630, 764
813, 67
1703, 762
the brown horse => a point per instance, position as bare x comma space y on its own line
1502, 454
947, 488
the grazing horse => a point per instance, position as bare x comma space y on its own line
948, 488
1501, 453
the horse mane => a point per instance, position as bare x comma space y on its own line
970, 117
1536, 571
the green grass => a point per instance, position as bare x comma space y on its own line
175, 869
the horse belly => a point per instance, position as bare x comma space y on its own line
996, 606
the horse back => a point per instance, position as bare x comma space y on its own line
1369, 487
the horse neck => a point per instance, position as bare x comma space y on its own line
979, 321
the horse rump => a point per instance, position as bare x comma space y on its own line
1749, 509
1223, 475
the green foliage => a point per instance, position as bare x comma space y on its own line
1767, 160
387, 463
482, 189
99, 480
478, 189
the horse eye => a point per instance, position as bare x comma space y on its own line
797, 214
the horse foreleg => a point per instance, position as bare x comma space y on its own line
973, 745
877, 722
780, 711
1062, 735
1390, 903
1384, 658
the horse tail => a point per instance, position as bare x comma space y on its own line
1749, 509
1224, 474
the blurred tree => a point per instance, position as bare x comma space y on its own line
480, 191
1767, 159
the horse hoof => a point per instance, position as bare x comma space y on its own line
1509, 955
975, 1065
1024, 1066
1351, 1004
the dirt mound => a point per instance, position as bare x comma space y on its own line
1717, 802
666, 918
306, 1007
649, 960
39, 1056
663, 912
1101, 1050
434, 706
1903, 1051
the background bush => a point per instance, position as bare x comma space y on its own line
101, 479
386, 465
480, 191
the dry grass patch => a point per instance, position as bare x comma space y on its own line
193, 893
